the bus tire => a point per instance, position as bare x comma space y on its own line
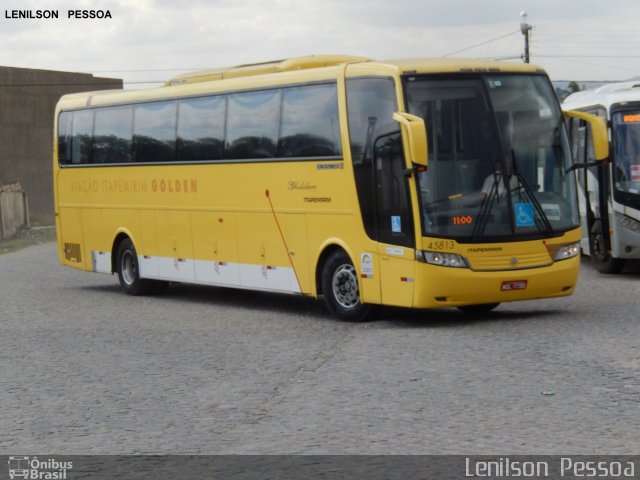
478, 309
160, 287
129, 270
341, 290
601, 258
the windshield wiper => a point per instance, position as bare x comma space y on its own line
485, 209
540, 218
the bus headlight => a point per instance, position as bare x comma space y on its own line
628, 223
442, 259
567, 251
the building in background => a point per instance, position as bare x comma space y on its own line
27, 103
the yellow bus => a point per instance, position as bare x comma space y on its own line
421, 183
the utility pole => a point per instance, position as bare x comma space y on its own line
525, 28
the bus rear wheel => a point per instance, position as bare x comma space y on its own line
129, 271
341, 290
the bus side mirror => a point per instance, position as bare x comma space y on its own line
414, 134
599, 135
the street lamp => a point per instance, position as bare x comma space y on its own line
525, 28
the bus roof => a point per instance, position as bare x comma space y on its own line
274, 66
418, 65
281, 72
605, 95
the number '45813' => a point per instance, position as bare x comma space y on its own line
441, 245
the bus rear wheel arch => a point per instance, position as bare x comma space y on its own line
128, 269
341, 289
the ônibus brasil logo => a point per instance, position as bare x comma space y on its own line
32, 468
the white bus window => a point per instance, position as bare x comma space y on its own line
626, 143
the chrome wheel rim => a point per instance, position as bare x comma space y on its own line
345, 286
129, 268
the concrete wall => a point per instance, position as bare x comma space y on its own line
27, 104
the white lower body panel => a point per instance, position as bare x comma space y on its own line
208, 272
101, 262
223, 274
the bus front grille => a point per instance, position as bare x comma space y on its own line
510, 262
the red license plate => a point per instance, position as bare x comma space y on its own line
511, 285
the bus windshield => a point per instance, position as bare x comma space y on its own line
498, 157
626, 155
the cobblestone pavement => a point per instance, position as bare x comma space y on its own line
87, 369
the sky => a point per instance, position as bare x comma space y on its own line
148, 41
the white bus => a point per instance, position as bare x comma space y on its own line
609, 192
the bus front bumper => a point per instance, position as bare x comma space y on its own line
452, 287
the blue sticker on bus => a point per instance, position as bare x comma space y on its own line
524, 215
396, 225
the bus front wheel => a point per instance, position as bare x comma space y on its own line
601, 258
341, 290
129, 270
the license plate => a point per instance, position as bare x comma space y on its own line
511, 285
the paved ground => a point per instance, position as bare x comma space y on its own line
87, 369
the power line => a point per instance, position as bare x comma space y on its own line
592, 64
586, 56
591, 41
482, 43
587, 32
502, 57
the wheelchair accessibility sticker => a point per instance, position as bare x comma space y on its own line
524, 215
396, 224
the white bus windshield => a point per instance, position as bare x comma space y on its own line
626, 157
498, 157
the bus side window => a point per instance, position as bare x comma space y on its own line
583, 152
393, 203
112, 135
201, 123
154, 134
81, 137
252, 125
371, 103
577, 136
310, 124
378, 161
65, 121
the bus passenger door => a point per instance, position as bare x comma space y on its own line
592, 188
394, 221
